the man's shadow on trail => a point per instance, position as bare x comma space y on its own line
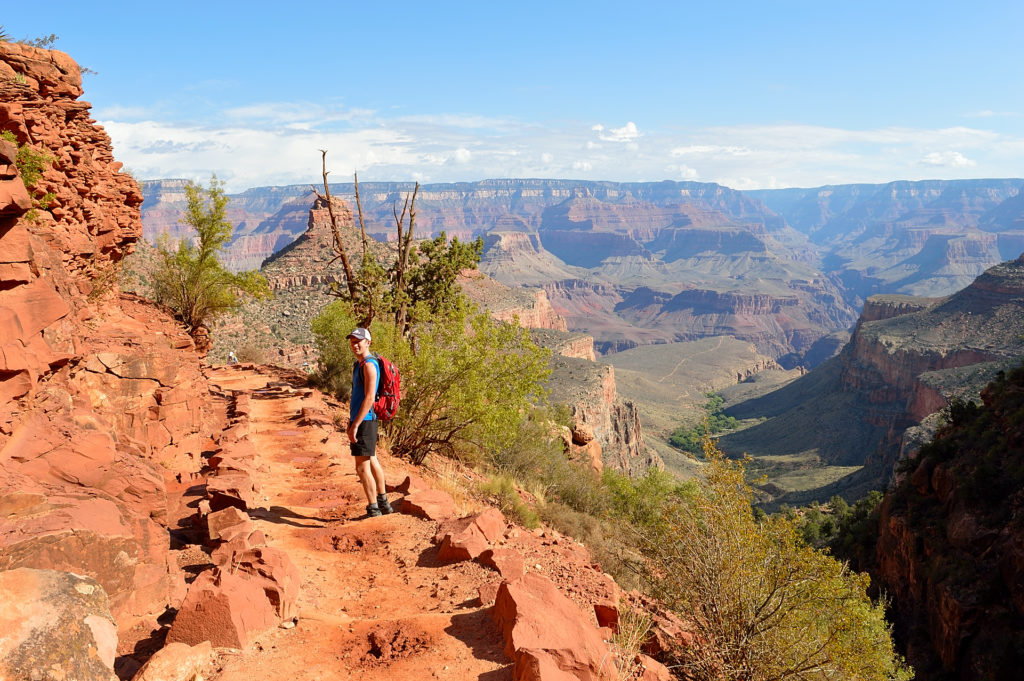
283, 516
478, 630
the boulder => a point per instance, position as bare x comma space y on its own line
412, 483
461, 542
226, 554
57, 624
507, 562
652, 670
491, 523
224, 608
488, 592
276, 574
540, 665
582, 433
466, 538
667, 633
432, 504
231, 489
534, 617
607, 614
228, 520
176, 662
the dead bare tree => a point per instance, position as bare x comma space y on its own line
402, 262
359, 207
361, 292
339, 247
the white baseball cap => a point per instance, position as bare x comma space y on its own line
360, 334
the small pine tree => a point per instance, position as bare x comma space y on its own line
189, 278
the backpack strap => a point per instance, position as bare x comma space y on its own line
359, 363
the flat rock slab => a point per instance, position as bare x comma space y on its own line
432, 504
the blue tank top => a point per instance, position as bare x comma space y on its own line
359, 390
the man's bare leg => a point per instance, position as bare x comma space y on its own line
378, 475
366, 476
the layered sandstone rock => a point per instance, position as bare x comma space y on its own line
588, 388
530, 307
100, 393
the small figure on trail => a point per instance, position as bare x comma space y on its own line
363, 423
232, 358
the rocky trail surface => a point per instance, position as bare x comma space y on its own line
397, 596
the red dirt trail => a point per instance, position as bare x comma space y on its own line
375, 602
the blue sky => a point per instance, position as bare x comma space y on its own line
750, 95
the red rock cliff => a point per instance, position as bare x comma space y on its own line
99, 393
907, 357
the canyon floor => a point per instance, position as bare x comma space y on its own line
375, 601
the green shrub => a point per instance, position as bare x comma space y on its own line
502, 490
468, 381
763, 604
188, 277
713, 423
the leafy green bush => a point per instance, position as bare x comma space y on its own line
763, 604
188, 277
468, 381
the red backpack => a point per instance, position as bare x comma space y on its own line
389, 390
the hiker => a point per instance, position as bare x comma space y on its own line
232, 358
363, 423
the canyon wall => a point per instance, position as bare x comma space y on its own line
101, 393
949, 549
906, 359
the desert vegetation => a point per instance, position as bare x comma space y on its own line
188, 276
714, 422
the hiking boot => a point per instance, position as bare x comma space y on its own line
372, 511
384, 505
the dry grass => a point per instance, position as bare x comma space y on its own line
454, 478
634, 628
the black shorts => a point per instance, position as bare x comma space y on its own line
366, 439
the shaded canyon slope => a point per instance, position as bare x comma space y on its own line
906, 359
949, 549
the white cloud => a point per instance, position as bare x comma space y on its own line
952, 159
709, 150
688, 173
626, 133
260, 145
